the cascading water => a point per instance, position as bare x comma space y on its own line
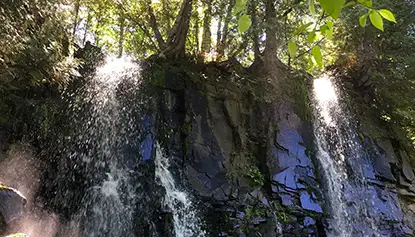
113, 135
107, 206
185, 220
341, 157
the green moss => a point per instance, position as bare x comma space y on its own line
186, 128
242, 165
255, 176
158, 78
297, 92
282, 213
252, 212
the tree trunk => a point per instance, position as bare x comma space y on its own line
75, 23
99, 20
224, 41
207, 18
254, 31
97, 33
121, 36
88, 22
153, 23
277, 71
167, 13
271, 40
176, 41
196, 32
219, 32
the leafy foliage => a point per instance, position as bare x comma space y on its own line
244, 23
38, 36
376, 19
386, 60
34, 62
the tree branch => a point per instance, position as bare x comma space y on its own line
140, 25
154, 25
176, 41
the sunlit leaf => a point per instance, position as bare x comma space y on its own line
292, 49
239, 6
316, 52
311, 7
367, 3
302, 28
363, 20
388, 15
310, 37
332, 7
350, 4
376, 19
329, 33
244, 23
323, 28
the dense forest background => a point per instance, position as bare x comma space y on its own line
371, 41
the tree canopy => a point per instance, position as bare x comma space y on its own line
374, 36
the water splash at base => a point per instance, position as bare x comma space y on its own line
185, 220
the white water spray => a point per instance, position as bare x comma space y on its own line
341, 155
326, 107
108, 206
185, 217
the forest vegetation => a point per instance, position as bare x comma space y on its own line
375, 39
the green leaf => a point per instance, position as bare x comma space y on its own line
388, 15
376, 19
323, 28
316, 52
244, 23
363, 20
292, 49
332, 7
311, 7
302, 28
329, 33
327, 30
367, 3
239, 6
350, 4
310, 37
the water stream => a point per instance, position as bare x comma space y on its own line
341, 156
185, 220
107, 207
107, 146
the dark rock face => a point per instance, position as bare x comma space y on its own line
250, 162
246, 159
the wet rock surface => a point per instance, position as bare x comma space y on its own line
247, 161
224, 136
11, 203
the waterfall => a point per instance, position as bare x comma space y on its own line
341, 156
113, 138
185, 220
107, 207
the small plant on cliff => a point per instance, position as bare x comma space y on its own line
255, 176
